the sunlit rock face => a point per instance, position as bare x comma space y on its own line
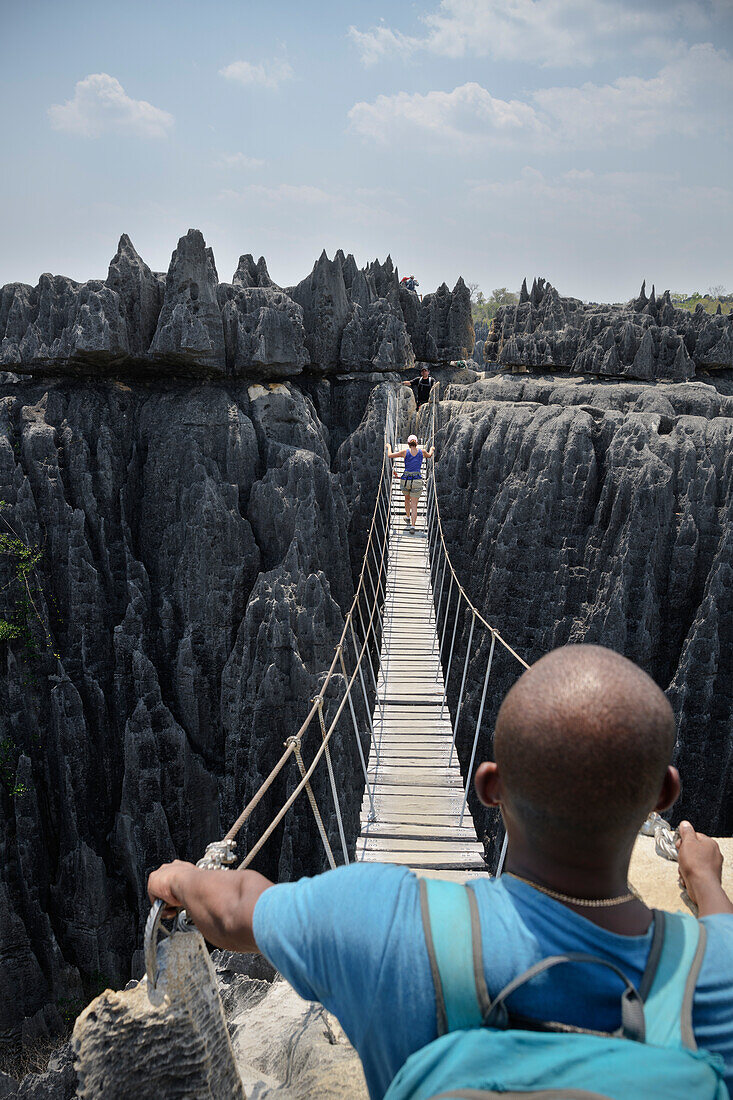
647, 339
603, 513
139, 323
195, 575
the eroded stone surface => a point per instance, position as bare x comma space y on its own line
195, 575
169, 1041
647, 339
599, 513
339, 318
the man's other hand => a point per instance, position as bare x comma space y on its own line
161, 884
701, 868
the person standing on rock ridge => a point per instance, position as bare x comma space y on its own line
411, 481
582, 747
423, 383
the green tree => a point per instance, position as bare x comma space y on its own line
485, 309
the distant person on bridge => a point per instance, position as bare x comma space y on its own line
411, 481
582, 744
423, 383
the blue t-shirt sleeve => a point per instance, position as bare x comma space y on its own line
327, 936
712, 1016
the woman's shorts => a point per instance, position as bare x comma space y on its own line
411, 487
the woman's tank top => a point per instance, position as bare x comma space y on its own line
413, 462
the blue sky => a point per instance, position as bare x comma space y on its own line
588, 141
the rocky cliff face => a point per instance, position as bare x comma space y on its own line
195, 573
600, 513
139, 323
441, 325
645, 339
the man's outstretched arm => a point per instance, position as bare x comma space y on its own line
701, 870
220, 903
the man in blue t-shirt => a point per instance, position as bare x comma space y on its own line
582, 743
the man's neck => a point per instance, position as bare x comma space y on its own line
591, 880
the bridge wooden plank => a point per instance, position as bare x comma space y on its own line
417, 794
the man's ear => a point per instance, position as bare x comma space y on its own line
670, 789
488, 783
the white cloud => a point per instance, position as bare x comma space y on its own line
263, 74
381, 42
101, 104
469, 115
239, 160
688, 97
545, 32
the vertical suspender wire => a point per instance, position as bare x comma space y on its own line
374, 597
385, 541
441, 647
358, 738
440, 597
502, 855
463, 684
432, 557
382, 512
434, 577
332, 781
450, 658
435, 563
379, 586
369, 657
314, 805
367, 708
478, 727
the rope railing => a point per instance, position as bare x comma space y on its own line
440, 564
375, 554
221, 853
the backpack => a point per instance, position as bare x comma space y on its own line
483, 1051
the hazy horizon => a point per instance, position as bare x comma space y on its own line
586, 141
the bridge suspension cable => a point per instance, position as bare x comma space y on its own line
440, 563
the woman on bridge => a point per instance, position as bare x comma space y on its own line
411, 481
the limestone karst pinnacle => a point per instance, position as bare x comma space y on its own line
186, 322
647, 339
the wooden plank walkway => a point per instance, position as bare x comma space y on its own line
417, 794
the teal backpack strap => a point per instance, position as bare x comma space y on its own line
453, 938
668, 1004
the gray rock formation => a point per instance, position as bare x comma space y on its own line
441, 325
190, 331
646, 339
139, 323
325, 301
263, 326
600, 513
170, 1040
195, 574
353, 317
289, 1049
140, 293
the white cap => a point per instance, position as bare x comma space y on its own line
412, 439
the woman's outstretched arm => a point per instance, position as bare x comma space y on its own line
396, 454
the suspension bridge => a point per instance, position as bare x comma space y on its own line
418, 814
398, 636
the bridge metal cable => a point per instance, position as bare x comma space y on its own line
463, 605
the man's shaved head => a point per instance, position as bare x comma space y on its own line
582, 744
